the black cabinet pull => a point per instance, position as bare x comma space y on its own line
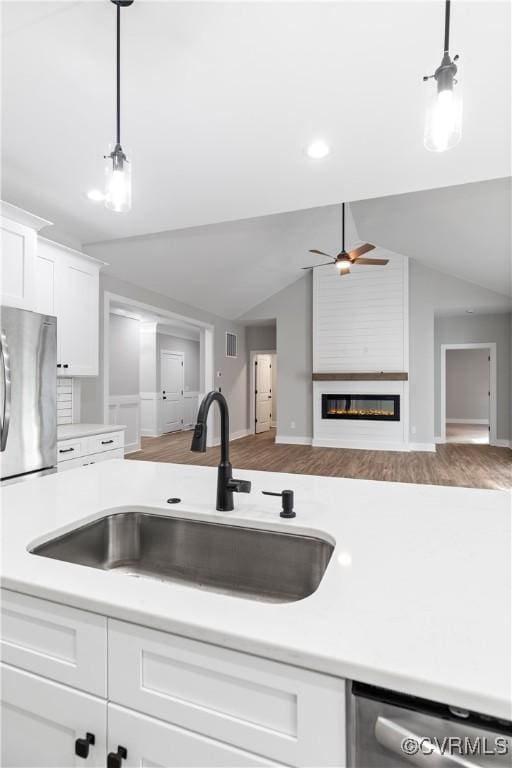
106, 442
115, 759
65, 450
65, 365
82, 745
59, 365
164, 398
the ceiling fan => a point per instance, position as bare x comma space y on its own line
344, 260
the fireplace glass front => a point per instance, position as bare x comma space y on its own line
368, 407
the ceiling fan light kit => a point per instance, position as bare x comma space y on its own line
118, 168
443, 123
345, 259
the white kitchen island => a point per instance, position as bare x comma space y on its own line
416, 598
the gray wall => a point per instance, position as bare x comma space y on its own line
430, 292
292, 308
124, 355
467, 384
233, 370
191, 359
261, 338
478, 328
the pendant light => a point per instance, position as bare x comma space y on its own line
443, 124
118, 173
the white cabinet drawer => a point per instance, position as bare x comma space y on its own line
70, 449
55, 641
106, 442
41, 721
150, 742
288, 714
105, 456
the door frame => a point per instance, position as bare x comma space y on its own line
252, 385
206, 350
491, 346
181, 354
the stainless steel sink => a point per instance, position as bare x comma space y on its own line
253, 563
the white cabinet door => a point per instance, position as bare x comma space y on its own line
47, 261
77, 311
17, 265
41, 721
171, 375
67, 286
153, 743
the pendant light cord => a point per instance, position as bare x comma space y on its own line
343, 227
118, 124
447, 27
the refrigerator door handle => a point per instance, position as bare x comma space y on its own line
6, 372
407, 745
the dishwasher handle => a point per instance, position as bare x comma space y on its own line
392, 737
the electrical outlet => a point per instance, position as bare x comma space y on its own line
413, 430
292, 425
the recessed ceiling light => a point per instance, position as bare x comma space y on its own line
470, 311
96, 195
318, 149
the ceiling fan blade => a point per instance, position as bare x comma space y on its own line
321, 253
325, 264
381, 262
359, 251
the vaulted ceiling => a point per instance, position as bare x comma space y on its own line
220, 100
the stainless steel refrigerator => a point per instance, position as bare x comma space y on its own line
28, 393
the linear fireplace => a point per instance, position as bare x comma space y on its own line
367, 407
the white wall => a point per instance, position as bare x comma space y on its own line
477, 328
233, 370
191, 358
467, 385
292, 308
430, 292
124, 355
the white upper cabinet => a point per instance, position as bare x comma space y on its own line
19, 242
43, 276
67, 286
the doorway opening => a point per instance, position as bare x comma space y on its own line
263, 391
468, 393
157, 365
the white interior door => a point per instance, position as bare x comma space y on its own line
263, 392
171, 380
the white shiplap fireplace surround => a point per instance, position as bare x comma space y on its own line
360, 325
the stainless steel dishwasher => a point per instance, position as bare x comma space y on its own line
389, 730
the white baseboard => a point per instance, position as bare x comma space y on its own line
359, 446
467, 421
502, 443
149, 433
428, 447
439, 440
232, 436
293, 440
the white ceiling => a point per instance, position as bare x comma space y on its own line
220, 99
463, 231
226, 268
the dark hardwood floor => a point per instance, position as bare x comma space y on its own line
471, 466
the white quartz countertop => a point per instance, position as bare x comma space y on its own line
70, 431
416, 596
